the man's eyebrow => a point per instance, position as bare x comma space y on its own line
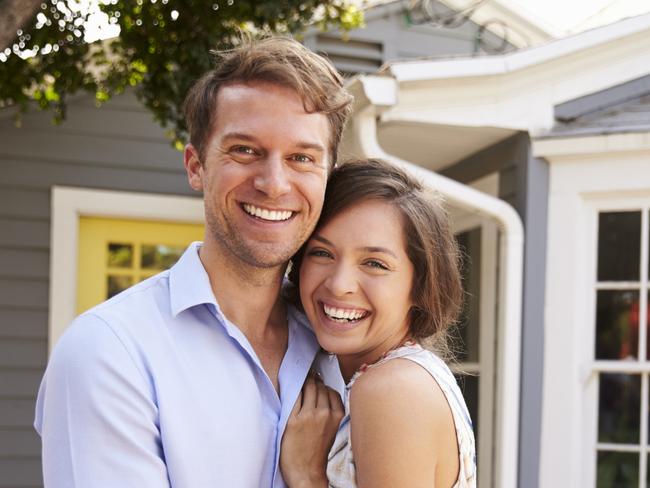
240, 135
311, 145
379, 249
315, 146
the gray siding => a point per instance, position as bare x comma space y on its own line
523, 182
118, 147
389, 35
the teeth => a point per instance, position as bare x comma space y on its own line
343, 314
262, 213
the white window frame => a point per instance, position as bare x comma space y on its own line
594, 206
68, 205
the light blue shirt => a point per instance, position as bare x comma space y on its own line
156, 388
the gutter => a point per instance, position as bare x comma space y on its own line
374, 94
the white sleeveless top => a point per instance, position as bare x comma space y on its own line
341, 471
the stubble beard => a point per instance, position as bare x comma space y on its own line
258, 255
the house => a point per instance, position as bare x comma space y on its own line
561, 133
543, 154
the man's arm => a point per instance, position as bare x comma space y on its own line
96, 414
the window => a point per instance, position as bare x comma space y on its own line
621, 350
115, 254
69, 205
475, 337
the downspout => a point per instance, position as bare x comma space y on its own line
381, 93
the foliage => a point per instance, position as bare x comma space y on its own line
162, 48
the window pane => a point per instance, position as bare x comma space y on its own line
117, 284
617, 470
619, 246
618, 408
469, 386
647, 326
617, 324
160, 257
120, 255
468, 326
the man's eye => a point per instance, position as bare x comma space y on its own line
244, 150
302, 158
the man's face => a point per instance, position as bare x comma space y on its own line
263, 173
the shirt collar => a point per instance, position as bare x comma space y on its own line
189, 284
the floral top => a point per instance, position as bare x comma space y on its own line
340, 466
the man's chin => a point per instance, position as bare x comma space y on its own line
266, 258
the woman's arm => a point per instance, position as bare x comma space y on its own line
403, 431
309, 435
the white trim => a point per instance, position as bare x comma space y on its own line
580, 186
408, 71
68, 204
564, 147
593, 205
487, 335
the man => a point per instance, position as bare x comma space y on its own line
187, 379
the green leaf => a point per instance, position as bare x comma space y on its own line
159, 54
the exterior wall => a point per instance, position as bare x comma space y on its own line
389, 36
521, 98
583, 172
523, 182
117, 147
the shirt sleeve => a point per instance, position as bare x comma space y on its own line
96, 414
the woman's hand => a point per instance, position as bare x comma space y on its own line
309, 435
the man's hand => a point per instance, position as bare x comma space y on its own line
309, 435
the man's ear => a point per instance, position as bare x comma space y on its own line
193, 167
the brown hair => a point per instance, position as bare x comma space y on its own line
278, 60
430, 244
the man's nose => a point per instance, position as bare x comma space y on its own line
342, 281
273, 179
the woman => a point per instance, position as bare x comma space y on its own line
377, 278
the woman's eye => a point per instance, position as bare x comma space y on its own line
319, 253
373, 263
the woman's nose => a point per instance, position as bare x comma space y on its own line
342, 281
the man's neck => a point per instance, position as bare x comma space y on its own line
248, 296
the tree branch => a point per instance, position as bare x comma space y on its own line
14, 14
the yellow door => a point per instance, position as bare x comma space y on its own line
115, 254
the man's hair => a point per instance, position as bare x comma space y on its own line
436, 290
278, 60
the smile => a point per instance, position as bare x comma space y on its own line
344, 314
266, 214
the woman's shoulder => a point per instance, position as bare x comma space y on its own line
398, 386
402, 428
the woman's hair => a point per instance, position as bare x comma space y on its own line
277, 60
430, 244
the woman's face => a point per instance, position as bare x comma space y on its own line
355, 283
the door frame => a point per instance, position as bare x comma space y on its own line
489, 341
68, 204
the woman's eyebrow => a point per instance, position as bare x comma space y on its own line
384, 250
379, 249
318, 238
